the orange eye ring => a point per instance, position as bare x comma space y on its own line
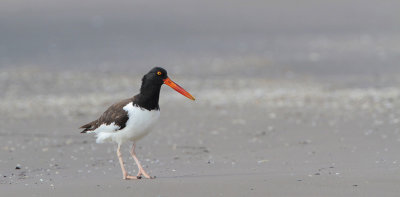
159, 73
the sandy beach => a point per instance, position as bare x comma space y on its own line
280, 137
292, 99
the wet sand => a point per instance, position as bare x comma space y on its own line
293, 99
296, 136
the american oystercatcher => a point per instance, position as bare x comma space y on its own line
131, 119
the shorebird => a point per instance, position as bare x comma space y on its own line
131, 119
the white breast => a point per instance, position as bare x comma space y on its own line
138, 125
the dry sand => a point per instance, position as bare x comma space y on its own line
242, 137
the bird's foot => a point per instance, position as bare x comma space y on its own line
147, 176
129, 177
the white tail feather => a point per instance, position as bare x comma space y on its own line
103, 137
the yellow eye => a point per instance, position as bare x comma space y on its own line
159, 73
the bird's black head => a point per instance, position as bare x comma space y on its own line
152, 81
150, 89
155, 76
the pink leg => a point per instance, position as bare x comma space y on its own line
141, 170
121, 162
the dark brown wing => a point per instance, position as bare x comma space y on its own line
114, 114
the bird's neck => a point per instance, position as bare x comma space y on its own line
149, 96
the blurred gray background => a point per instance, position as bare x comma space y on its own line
203, 37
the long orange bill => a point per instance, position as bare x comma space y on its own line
178, 88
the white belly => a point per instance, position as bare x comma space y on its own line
139, 124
